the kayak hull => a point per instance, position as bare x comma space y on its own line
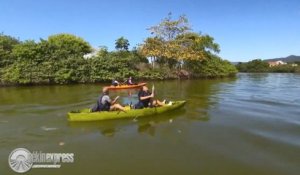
126, 86
86, 115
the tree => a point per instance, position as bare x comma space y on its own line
152, 48
174, 42
256, 65
214, 66
7, 43
56, 60
168, 29
137, 56
66, 45
111, 67
26, 68
163, 45
63, 55
122, 44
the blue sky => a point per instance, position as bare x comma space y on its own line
245, 29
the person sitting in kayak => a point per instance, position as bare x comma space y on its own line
130, 82
104, 103
146, 99
115, 82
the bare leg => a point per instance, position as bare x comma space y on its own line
117, 107
158, 103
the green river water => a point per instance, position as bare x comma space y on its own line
248, 125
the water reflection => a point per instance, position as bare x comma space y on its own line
201, 95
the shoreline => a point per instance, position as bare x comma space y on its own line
109, 82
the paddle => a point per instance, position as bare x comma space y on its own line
124, 82
130, 97
153, 90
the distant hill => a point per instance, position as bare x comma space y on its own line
289, 59
235, 63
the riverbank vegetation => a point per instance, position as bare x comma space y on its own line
259, 65
172, 51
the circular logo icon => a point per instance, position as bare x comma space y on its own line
20, 160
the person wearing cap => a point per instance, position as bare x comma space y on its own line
115, 82
145, 98
104, 102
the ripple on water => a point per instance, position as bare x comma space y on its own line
283, 137
45, 128
36, 108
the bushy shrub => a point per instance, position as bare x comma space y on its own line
209, 68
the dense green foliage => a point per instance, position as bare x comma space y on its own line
211, 67
287, 68
56, 60
258, 65
6, 45
65, 58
